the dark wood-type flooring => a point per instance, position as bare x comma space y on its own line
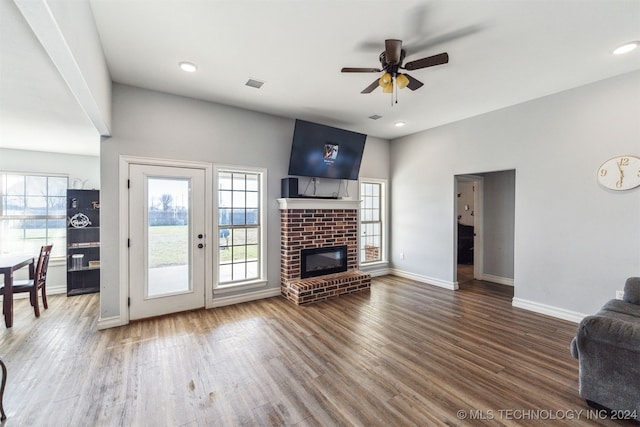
404, 353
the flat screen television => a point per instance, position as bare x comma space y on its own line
325, 152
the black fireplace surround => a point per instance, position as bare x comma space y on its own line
320, 261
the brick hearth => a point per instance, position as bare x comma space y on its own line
306, 224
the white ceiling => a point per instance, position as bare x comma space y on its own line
502, 52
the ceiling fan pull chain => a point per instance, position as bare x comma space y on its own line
396, 80
396, 86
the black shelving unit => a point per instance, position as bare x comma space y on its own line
83, 242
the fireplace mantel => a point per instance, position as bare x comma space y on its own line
311, 203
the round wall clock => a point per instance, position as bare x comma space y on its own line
620, 173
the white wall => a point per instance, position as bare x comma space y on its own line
153, 124
79, 168
575, 242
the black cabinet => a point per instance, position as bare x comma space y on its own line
83, 242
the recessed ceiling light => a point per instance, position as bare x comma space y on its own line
187, 66
399, 124
626, 48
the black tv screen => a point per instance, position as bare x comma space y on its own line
325, 152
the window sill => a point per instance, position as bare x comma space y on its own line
235, 287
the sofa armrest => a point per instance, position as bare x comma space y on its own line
609, 330
574, 348
632, 290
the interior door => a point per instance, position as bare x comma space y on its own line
167, 249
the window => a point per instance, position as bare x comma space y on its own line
240, 225
372, 234
33, 212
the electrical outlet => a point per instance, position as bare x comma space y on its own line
619, 294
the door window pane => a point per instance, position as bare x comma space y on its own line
168, 234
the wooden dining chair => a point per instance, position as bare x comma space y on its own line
37, 281
4, 382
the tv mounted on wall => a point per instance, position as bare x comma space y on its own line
325, 152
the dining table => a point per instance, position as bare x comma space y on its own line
8, 264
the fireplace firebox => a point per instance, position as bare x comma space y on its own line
320, 261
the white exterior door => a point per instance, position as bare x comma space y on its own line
167, 240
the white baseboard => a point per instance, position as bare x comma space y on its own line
110, 322
377, 272
424, 279
497, 279
246, 297
549, 310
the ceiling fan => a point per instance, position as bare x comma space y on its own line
391, 61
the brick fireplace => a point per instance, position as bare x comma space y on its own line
318, 223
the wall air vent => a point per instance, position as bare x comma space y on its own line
254, 83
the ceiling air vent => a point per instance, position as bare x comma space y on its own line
375, 117
254, 83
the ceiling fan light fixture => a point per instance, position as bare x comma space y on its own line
385, 80
387, 88
626, 48
402, 81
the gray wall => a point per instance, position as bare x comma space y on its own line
498, 219
575, 242
153, 124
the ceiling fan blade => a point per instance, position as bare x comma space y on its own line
430, 61
360, 70
414, 83
371, 87
393, 50
431, 42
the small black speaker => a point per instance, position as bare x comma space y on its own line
289, 188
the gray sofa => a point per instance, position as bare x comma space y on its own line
607, 346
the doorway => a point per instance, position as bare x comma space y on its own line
468, 227
485, 213
167, 238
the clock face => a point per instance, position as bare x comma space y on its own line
620, 173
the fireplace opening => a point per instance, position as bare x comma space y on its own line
321, 261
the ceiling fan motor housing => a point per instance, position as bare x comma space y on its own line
388, 66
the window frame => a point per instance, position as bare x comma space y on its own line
382, 221
47, 217
261, 280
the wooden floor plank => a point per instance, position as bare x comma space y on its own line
404, 353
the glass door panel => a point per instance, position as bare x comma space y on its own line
168, 232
